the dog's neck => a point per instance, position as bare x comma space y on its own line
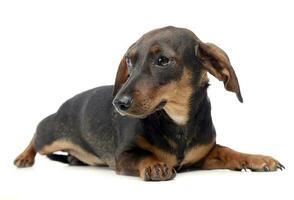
198, 128
178, 104
184, 103
178, 112
186, 111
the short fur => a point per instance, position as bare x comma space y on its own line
165, 126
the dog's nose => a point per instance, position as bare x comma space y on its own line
123, 103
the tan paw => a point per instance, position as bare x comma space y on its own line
157, 172
24, 160
261, 163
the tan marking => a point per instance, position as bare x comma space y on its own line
225, 158
73, 149
155, 49
145, 163
163, 156
178, 95
171, 142
155, 169
27, 157
196, 153
204, 78
131, 53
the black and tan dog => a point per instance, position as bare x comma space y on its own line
155, 120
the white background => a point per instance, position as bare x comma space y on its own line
52, 50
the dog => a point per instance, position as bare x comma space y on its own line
156, 119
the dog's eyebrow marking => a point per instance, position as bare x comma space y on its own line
129, 62
155, 49
131, 54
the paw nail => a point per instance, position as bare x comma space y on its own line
146, 176
157, 171
173, 174
280, 166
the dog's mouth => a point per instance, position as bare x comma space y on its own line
143, 115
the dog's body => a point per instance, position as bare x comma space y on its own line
160, 122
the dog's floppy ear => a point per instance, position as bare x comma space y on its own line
121, 76
217, 63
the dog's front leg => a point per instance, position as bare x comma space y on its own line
222, 157
145, 165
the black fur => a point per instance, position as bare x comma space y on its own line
58, 157
90, 120
156, 120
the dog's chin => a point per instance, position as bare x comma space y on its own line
131, 114
144, 114
137, 116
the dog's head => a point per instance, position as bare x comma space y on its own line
163, 69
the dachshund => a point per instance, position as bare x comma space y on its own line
156, 119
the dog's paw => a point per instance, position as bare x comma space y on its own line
157, 172
24, 160
261, 163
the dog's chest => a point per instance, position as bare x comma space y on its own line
181, 156
174, 145
194, 154
186, 150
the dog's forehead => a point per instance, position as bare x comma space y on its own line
172, 37
168, 33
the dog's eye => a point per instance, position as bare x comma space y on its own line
129, 62
162, 61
